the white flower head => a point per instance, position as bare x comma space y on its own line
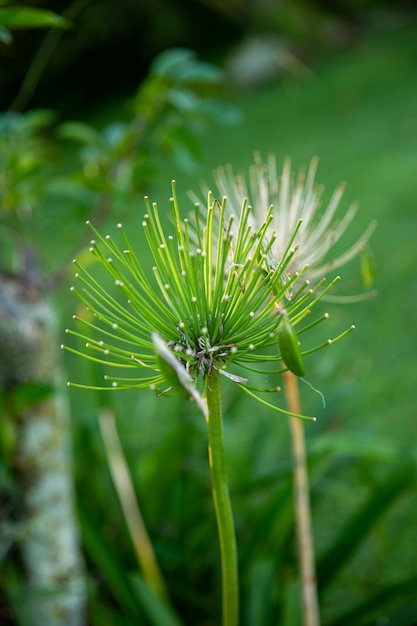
298, 217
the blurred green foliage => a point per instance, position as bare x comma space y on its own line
168, 112
24, 159
358, 114
169, 109
18, 18
109, 46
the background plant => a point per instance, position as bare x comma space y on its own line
357, 113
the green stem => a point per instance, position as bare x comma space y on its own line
222, 505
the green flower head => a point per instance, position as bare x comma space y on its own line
208, 302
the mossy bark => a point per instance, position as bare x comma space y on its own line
40, 461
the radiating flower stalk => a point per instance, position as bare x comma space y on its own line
294, 196
295, 199
214, 304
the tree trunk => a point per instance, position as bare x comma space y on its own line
31, 386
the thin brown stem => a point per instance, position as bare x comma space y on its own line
311, 615
123, 483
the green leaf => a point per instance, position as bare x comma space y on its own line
400, 593
5, 36
183, 99
404, 616
16, 593
289, 346
359, 525
38, 119
79, 131
274, 519
23, 17
260, 593
26, 124
158, 612
8, 435
371, 448
170, 62
203, 73
115, 133
181, 65
28, 394
220, 111
108, 566
184, 147
291, 609
368, 267
72, 191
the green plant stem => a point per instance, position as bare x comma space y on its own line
311, 614
222, 505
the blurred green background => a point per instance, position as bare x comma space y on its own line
345, 89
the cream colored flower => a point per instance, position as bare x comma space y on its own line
297, 208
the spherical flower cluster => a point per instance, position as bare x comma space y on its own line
211, 300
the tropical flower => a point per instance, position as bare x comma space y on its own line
297, 214
206, 305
